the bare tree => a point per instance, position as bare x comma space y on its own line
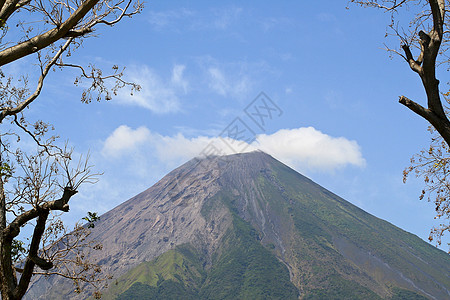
424, 42
36, 188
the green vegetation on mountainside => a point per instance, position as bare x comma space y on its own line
176, 272
244, 269
321, 217
339, 288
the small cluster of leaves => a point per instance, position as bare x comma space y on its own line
18, 250
98, 82
5, 170
12, 91
433, 165
91, 218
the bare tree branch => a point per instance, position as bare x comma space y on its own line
44, 40
415, 107
13, 229
414, 65
394, 5
9, 7
21, 106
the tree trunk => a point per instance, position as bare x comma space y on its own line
5, 250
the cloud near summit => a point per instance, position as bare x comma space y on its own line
304, 149
307, 147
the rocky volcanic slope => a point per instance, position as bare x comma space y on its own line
246, 226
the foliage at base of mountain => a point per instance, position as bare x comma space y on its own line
167, 289
246, 269
401, 294
339, 288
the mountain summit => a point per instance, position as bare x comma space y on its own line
246, 226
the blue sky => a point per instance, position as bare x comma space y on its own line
200, 64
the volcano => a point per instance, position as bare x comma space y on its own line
246, 226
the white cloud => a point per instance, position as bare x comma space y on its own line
309, 148
170, 150
157, 95
125, 139
305, 149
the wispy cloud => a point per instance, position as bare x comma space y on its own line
326, 17
164, 19
184, 19
177, 77
271, 23
305, 149
157, 95
332, 22
226, 85
233, 79
224, 18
